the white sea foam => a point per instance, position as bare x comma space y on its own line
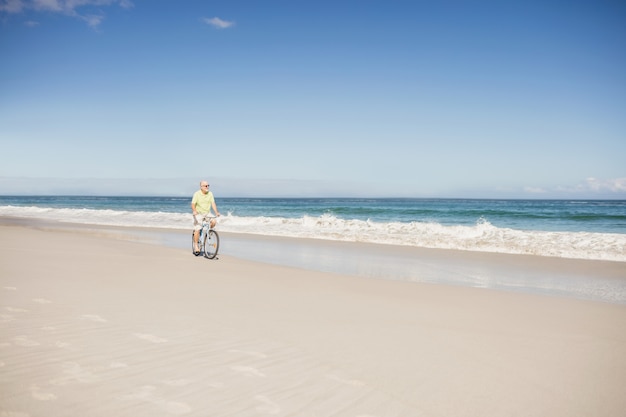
482, 236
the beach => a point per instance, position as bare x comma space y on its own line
95, 324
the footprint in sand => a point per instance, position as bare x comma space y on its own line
24, 341
13, 414
117, 365
268, 407
94, 317
176, 382
16, 310
40, 395
5, 318
74, 372
250, 353
174, 407
146, 393
353, 382
248, 371
150, 337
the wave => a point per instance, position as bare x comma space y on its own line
482, 236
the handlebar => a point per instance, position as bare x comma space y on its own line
206, 219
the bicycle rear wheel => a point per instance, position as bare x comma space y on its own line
211, 244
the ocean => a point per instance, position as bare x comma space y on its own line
577, 229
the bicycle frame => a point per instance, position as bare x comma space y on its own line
206, 234
206, 226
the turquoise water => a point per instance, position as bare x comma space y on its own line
584, 229
604, 216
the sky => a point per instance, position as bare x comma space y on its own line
324, 98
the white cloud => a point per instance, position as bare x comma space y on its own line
595, 188
589, 188
217, 22
615, 185
73, 8
93, 20
11, 6
48, 5
534, 190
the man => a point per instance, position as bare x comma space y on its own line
201, 205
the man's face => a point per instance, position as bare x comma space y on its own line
204, 187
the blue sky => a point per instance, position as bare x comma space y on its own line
485, 99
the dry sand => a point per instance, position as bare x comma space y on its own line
97, 326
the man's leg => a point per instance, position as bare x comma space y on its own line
196, 234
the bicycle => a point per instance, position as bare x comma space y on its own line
208, 241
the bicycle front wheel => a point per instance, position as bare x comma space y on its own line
211, 244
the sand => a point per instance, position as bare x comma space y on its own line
95, 325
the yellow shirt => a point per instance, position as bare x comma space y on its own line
203, 202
